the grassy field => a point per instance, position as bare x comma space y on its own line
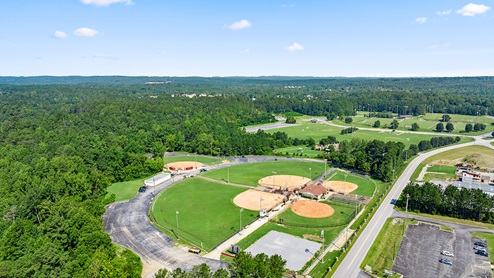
250, 174
342, 215
426, 123
125, 190
483, 155
206, 215
317, 131
191, 157
489, 238
442, 172
365, 186
383, 251
299, 151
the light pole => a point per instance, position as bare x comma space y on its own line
406, 207
274, 178
195, 158
240, 230
344, 185
310, 175
356, 205
309, 252
260, 206
176, 216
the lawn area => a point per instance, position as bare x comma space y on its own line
208, 160
426, 122
483, 156
383, 251
299, 151
317, 131
489, 238
206, 213
125, 190
342, 215
250, 174
365, 186
329, 233
440, 172
327, 261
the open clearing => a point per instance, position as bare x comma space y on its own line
250, 173
125, 190
206, 212
483, 156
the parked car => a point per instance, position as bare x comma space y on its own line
446, 261
482, 253
447, 253
480, 243
479, 248
142, 188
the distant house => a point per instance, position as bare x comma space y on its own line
402, 117
316, 191
313, 121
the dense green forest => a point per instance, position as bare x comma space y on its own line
61, 145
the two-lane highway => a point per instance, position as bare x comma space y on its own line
350, 266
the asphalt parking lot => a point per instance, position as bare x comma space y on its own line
421, 248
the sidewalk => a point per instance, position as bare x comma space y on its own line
216, 253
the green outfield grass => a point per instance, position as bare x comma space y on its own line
125, 190
426, 122
191, 157
365, 186
207, 213
341, 216
250, 174
298, 151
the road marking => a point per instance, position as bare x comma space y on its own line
365, 240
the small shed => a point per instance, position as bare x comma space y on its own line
317, 191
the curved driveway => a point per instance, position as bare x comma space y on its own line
128, 224
350, 266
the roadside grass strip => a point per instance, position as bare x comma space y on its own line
382, 253
125, 190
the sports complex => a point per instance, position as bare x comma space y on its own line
204, 210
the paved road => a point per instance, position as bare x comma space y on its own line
350, 266
128, 224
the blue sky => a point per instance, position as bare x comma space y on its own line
247, 37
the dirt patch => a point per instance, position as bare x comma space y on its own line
340, 186
312, 209
283, 182
183, 165
251, 199
312, 237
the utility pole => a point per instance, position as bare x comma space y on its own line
406, 207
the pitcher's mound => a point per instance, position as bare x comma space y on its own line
312, 209
340, 186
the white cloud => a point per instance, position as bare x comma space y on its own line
247, 50
444, 12
59, 35
239, 25
473, 9
288, 5
85, 32
104, 3
295, 47
421, 20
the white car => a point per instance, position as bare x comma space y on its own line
447, 253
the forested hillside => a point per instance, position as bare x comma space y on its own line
62, 145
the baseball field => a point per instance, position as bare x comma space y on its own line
366, 187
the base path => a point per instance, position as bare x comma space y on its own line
312, 209
284, 182
340, 186
251, 199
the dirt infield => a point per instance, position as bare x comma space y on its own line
283, 181
183, 165
340, 186
312, 209
251, 199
